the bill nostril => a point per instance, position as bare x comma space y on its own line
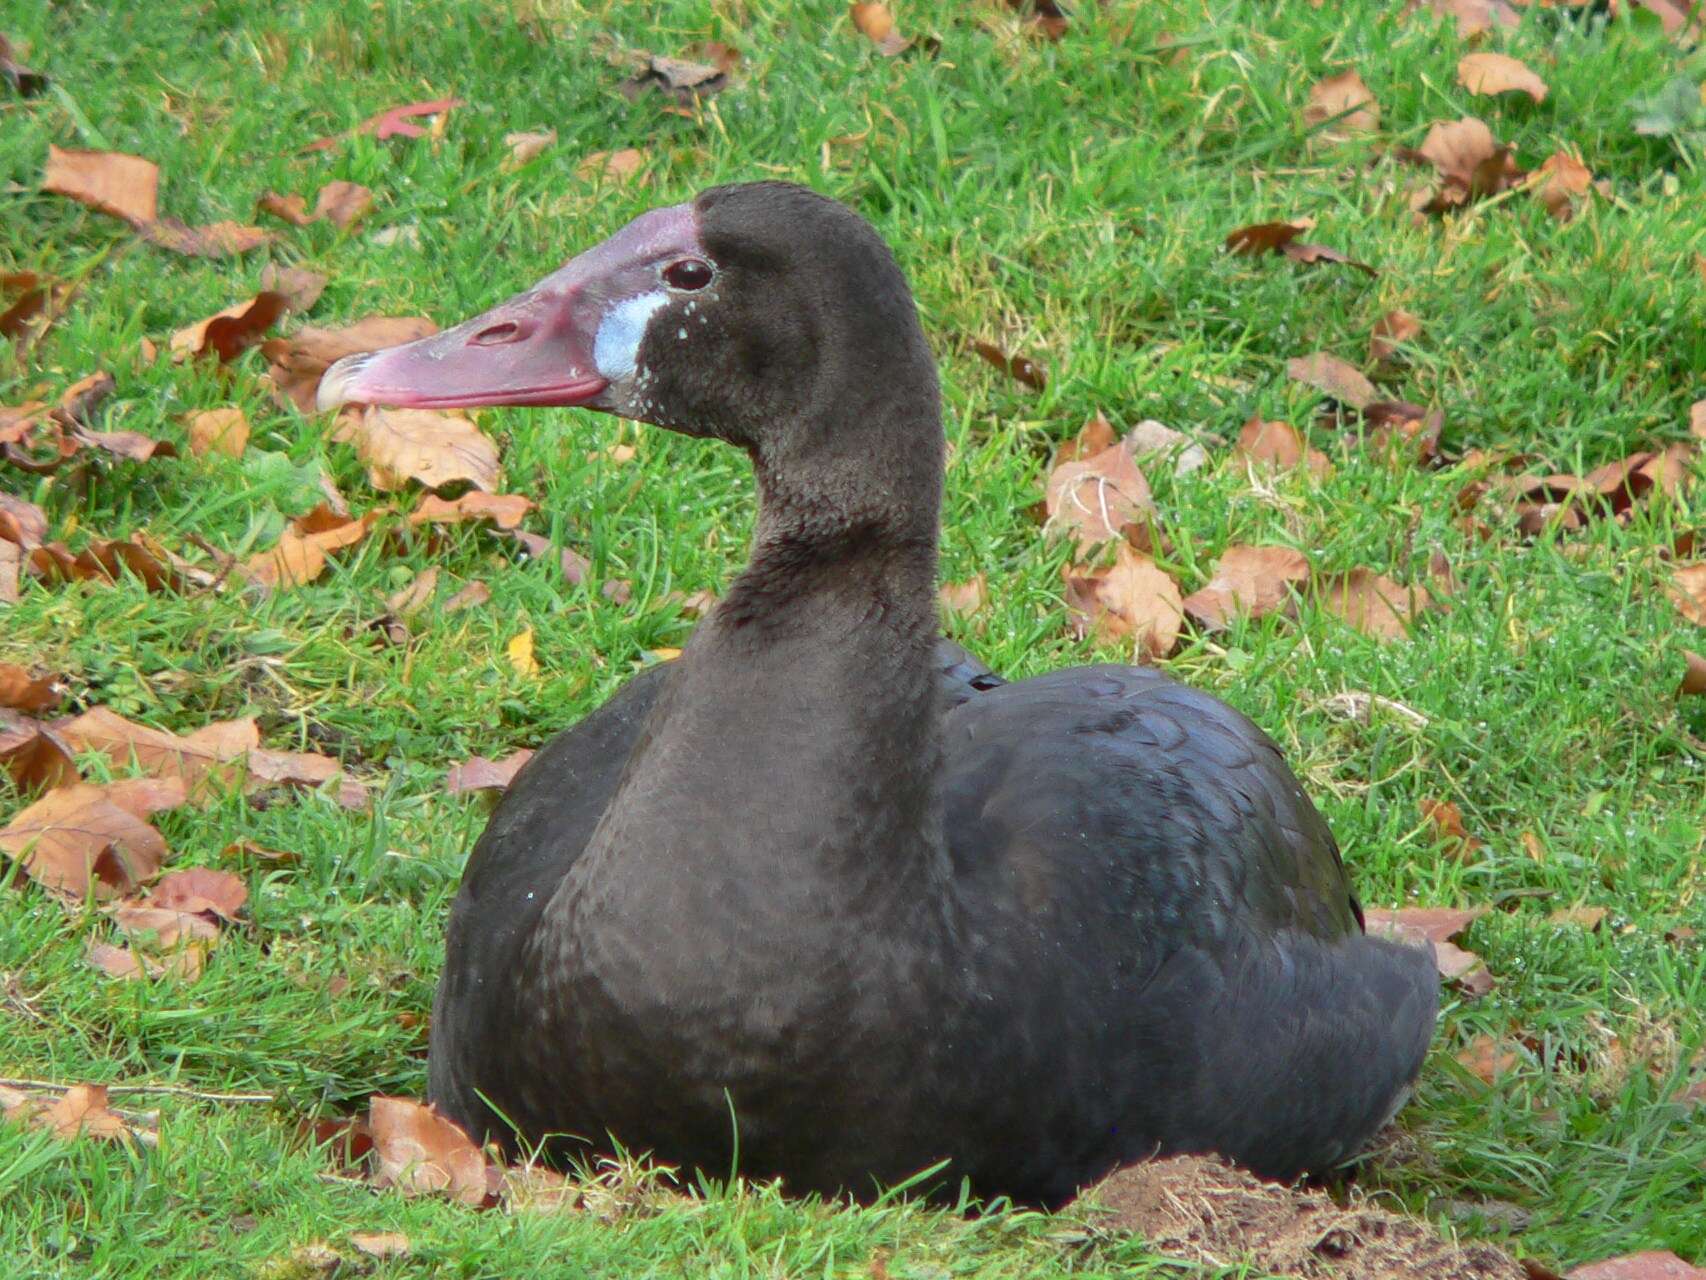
508, 331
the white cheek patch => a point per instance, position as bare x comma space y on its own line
617, 345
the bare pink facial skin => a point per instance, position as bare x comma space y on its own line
568, 340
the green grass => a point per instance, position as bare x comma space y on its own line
1064, 199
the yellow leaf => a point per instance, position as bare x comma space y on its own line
521, 654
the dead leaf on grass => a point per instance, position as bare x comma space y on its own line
1487, 1058
1337, 378
481, 774
1468, 162
24, 82
1282, 445
125, 186
299, 556
109, 562
964, 598
1133, 598
300, 287
1440, 926
876, 24
76, 841
21, 691
1495, 73
1687, 591
505, 510
1281, 237
341, 203
393, 122
1390, 332
1252, 581
1653, 1264
299, 360
31, 752
1477, 17
223, 431
1099, 498
200, 891
424, 445
618, 166
683, 82
1344, 100
216, 240
380, 1244
527, 146
1562, 182
1372, 603
475, 593
1447, 822
1150, 437
519, 651
420, 1152
1020, 368
82, 1111
229, 333
1693, 675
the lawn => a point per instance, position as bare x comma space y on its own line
1067, 199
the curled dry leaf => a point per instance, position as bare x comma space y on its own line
480, 774
1446, 819
425, 445
200, 891
1133, 598
300, 554
300, 287
75, 840
1095, 435
82, 1111
527, 146
125, 186
380, 1244
1337, 378
1373, 604
1693, 675
1477, 17
1392, 331
964, 598
1342, 106
343, 204
411, 599
393, 122
1253, 581
1099, 498
420, 1152
1495, 73
1469, 163
21, 691
1018, 367
505, 510
1281, 444
32, 753
683, 82
298, 361
141, 556
1561, 184
223, 431
217, 240
1687, 591
616, 166
1266, 237
230, 332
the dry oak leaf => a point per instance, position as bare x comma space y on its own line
75, 840
299, 556
1495, 73
1281, 444
1687, 592
1253, 581
82, 1111
393, 122
1341, 106
425, 445
229, 333
200, 891
1281, 237
1373, 604
481, 774
1654, 1264
964, 598
298, 361
218, 431
125, 186
21, 691
618, 166
420, 1152
1099, 498
1337, 378
1390, 332
506, 510
1134, 598
31, 752
1561, 183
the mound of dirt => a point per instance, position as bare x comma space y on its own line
1207, 1211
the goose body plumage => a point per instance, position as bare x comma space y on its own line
825, 899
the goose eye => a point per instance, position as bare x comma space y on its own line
687, 274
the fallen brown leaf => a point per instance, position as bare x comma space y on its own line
286, 208
217, 240
1562, 182
1094, 436
420, 1152
1253, 581
297, 361
32, 753
1099, 498
411, 599
109, 562
617, 166
299, 556
1487, 1058
380, 1244
1150, 437
343, 204
21, 691
506, 510
526, 146
1371, 603
1344, 101
480, 774
964, 598
876, 24
82, 1111
425, 445
1018, 367
1133, 598
1469, 163
230, 332
393, 122
1266, 237
1495, 73
1477, 17
125, 186
1447, 821
683, 82
1688, 592
475, 593
1337, 378
1280, 444
1439, 926
200, 891
1391, 331
76, 841
218, 431
1693, 675
116, 962
1589, 918
300, 287
26, 83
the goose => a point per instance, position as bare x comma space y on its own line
826, 900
